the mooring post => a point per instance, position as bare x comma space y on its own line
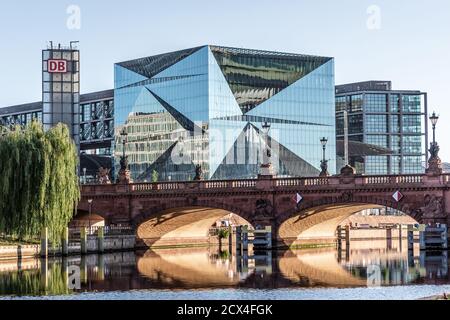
269, 237
239, 240
44, 243
339, 238
410, 238
444, 236
347, 243
65, 242
389, 237
44, 274
245, 234
423, 245
230, 240
83, 240
101, 239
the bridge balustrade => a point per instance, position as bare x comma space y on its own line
244, 184
404, 179
216, 185
377, 180
409, 179
252, 183
316, 182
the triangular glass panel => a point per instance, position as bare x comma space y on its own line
255, 76
151, 66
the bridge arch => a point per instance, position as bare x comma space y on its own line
186, 225
317, 221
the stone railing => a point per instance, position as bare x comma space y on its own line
276, 183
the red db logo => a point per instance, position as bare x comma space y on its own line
57, 66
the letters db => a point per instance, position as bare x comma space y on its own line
57, 66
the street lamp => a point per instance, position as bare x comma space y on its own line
124, 135
434, 163
267, 154
90, 213
434, 119
84, 173
324, 162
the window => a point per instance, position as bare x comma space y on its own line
394, 102
412, 144
341, 104
412, 124
395, 124
378, 140
377, 165
411, 103
376, 123
356, 102
376, 103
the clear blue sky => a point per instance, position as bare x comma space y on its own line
411, 47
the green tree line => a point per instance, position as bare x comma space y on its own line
38, 181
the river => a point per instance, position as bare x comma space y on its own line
362, 272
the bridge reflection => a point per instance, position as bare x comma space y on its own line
202, 268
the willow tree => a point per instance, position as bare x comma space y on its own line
38, 182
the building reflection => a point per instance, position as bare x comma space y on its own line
208, 268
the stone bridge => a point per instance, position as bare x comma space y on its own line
173, 213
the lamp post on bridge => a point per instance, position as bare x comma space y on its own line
266, 166
324, 162
124, 173
434, 162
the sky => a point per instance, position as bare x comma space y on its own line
407, 42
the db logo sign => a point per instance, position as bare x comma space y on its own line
57, 66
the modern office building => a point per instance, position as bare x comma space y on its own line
206, 106
390, 120
202, 106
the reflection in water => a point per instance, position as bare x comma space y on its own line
207, 268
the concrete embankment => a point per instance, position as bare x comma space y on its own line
110, 244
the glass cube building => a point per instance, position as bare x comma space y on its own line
207, 105
392, 120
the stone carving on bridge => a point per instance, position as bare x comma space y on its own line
348, 171
346, 196
198, 173
347, 175
124, 173
434, 207
264, 209
103, 176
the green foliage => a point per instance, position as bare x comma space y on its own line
38, 182
223, 233
31, 282
155, 176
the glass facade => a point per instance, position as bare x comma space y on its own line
21, 119
206, 105
394, 120
61, 91
97, 120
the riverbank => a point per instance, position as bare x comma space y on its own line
445, 296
